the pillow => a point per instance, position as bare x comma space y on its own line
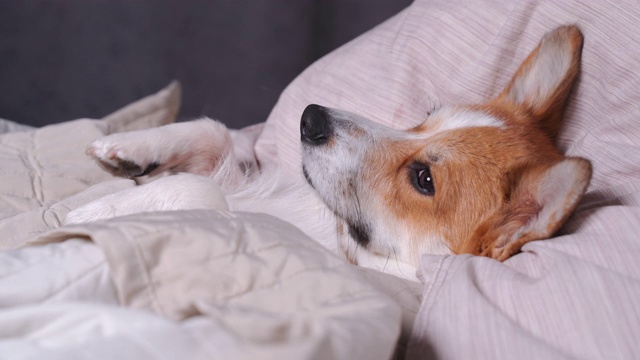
464, 52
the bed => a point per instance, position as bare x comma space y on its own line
215, 284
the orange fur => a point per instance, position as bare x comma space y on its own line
486, 177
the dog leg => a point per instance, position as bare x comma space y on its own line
178, 192
196, 147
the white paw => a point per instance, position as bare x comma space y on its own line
124, 155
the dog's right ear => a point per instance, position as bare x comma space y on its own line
544, 80
540, 201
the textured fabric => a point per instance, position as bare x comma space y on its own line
257, 286
20, 229
572, 296
42, 166
7, 126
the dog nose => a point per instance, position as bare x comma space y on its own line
315, 125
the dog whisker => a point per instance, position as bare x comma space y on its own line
386, 261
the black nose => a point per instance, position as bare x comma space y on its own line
315, 125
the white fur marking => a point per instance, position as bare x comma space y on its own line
452, 119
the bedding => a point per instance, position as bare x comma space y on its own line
211, 283
12, 126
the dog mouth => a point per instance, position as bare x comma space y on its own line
359, 232
306, 176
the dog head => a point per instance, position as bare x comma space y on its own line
481, 179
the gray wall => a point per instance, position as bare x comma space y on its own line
65, 59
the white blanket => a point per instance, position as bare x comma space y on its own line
196, 284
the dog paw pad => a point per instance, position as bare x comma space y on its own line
119, 162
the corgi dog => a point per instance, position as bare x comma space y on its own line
480, 179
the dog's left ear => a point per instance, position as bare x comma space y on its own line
540, 201
544, 80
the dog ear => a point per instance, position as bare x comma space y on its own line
544, 80
540, 201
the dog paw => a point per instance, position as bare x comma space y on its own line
122, 155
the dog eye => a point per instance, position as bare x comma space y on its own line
422, 179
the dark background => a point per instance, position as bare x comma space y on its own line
66, 59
